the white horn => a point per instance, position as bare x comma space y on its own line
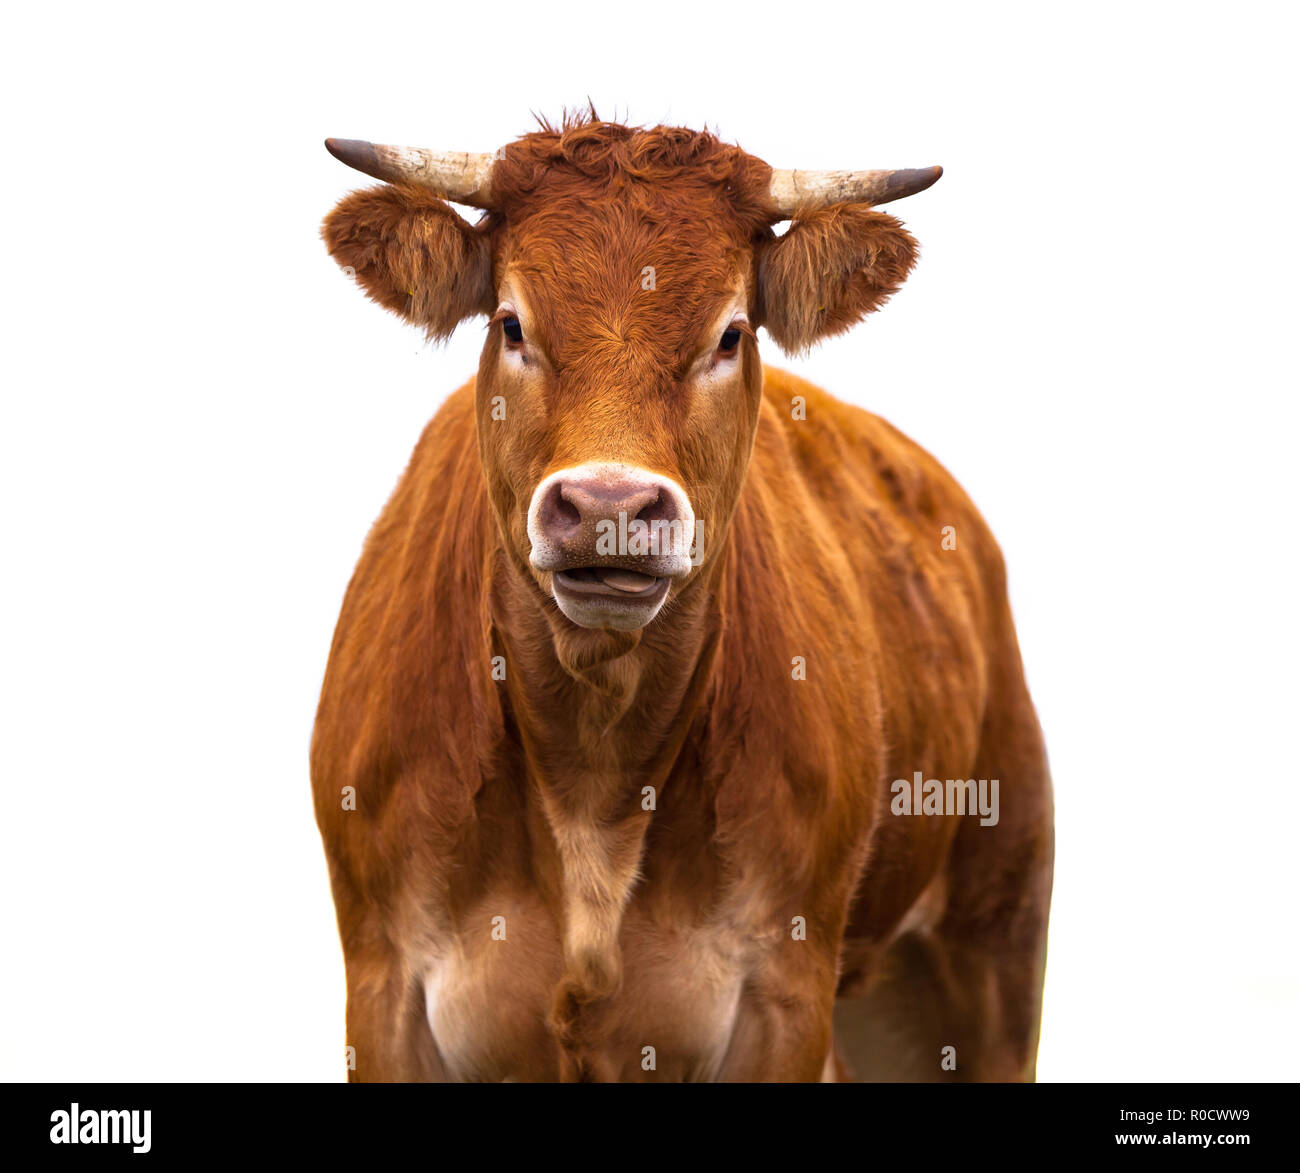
793, 191
453, 175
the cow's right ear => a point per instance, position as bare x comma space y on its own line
414, 255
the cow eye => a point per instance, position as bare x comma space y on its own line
729, 341
513, 331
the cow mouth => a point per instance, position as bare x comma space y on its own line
609, 596
611, 581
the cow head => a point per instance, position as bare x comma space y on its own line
624, 273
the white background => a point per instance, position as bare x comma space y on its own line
202, 416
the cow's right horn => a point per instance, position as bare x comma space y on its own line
453, 175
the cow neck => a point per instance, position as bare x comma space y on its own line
597, 710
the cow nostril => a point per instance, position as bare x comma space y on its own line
660, 509
567, 513
559, 514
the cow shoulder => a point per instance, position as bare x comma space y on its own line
898, 584
889, 501
410, 659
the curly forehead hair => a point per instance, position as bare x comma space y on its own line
592, 159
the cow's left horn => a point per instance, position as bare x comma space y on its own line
453, 175
793, 191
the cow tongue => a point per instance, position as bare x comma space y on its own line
631, 581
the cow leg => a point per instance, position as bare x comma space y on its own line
972, 980
941, 1010
993, 933
782, 1029
960, 1002
779, 1038
387, 1029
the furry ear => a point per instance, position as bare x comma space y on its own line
414, 255
829, 271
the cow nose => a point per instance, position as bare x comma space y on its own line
583, 515
575, 505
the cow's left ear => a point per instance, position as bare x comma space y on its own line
829, 271
414, 255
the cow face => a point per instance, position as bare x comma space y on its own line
624, 274
623, 336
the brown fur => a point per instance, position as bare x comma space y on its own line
522, 798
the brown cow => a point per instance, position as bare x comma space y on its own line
659, 674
